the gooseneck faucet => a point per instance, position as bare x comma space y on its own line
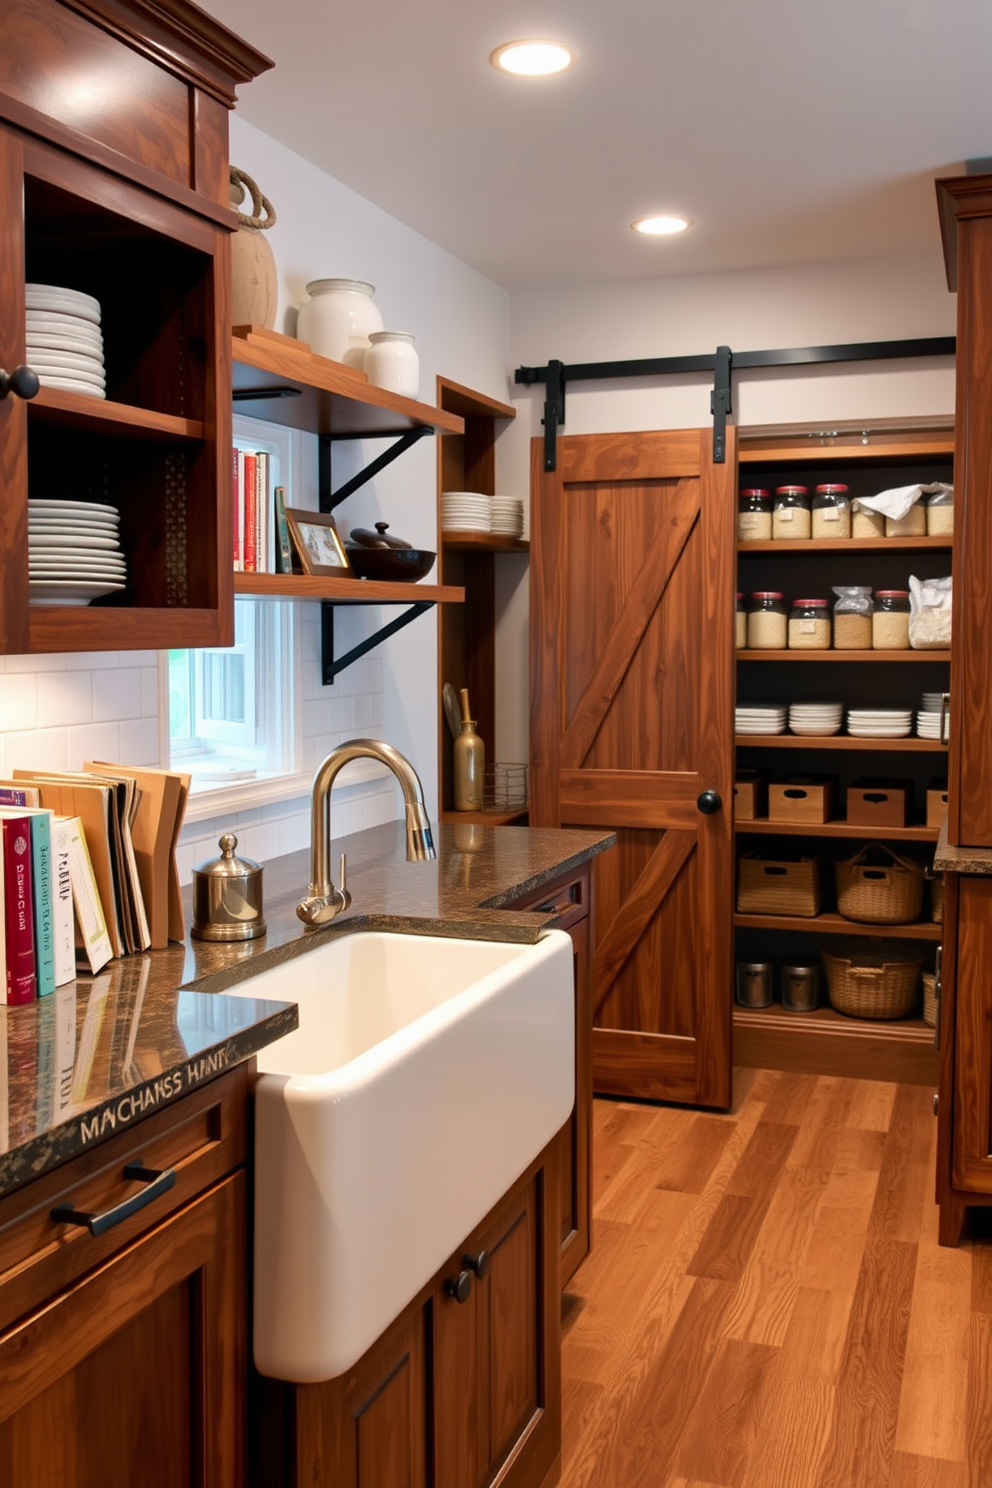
325, 899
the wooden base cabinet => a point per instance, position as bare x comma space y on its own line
462, 1391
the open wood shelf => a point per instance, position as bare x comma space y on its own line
911, 745
762, 826
817, 656
323, 400
483, 542
485, 818
344, 591
98, 416
835, 924
849, 545
854, 1048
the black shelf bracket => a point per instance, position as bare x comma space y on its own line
556, 374
330, 499
331, 665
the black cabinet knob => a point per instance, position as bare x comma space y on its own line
708, 802
478, 1263
22, 382
460, 1286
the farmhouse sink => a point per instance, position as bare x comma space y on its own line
424, 1077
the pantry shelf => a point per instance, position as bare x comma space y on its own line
99, 416
837, 741
924, 657
835, 924
818, 546
853, 1048
763, 826
483, 542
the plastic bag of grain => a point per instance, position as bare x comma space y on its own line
929, 613
852, 619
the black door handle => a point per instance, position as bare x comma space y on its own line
22, 382
159, 1182
478, 1263
708, 802
460, 1286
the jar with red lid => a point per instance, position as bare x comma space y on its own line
767, 627
791, 513
740, 630
890, 621
809, 625
831, 512
754, 515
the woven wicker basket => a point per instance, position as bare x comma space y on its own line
779, 886
930, 999
873, 981
879, 887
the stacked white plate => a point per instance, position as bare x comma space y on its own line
931, 701
928, 725
64, 340
466, 511
760, 718
508, 515
816, 718
880, 723
74, 552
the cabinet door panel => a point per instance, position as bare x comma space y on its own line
136, 1373
460, 1384
972, 1154
512, 1323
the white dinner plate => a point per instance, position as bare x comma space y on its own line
49, 359
68, 591
68, 385
87, 340
67, 559
63, 292
56, 322
46, 370
58, 305
85, 541
59, 506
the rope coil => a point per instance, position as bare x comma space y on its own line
263, 212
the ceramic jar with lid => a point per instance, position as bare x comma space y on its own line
791, 513
767, 627
754, 515
890, 622
338, 319
391, 362
831, 513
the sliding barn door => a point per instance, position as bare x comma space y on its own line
632, 652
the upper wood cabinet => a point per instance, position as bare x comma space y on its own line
113, 181
966, 225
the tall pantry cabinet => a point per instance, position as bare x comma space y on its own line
114, 182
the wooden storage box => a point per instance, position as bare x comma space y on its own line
750, 795
779, 886
802, 798
937, 804
874, 802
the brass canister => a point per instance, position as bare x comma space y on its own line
227, 896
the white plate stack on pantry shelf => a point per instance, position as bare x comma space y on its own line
74, 552
768, 718
880, 723
507, 516
466, 511
815, 719
64, 339
928, 718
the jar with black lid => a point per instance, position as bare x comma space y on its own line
831, 512
754, 515
890, 621
791, 513
767, 627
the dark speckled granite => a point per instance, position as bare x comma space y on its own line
105, 1051
973, 860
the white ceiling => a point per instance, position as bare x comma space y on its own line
789, 131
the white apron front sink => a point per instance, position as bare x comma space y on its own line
425, 1075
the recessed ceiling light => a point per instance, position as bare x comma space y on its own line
533, 58
660, 227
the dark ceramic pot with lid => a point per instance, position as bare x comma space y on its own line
378, 555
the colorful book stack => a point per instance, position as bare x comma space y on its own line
87, 872
261, 536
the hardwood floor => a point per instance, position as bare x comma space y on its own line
766, 1304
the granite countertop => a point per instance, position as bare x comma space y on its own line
104, 1051
973, 860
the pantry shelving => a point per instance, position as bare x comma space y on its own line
911, 745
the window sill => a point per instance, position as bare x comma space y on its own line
243, 795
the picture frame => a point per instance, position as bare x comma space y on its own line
316, 543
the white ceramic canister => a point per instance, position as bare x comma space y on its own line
338, 318
391, 362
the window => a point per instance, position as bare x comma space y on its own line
233, 711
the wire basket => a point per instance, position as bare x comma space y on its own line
504, 788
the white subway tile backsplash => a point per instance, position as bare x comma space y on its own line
149, 691
42, 749
18, 701
97, 741
93, 661
314, 719
117, 694
139, 741
64, 698
47, 662
294, 833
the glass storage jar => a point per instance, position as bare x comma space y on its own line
866, 523
831, 512
809, 625
852, 619
767, 627
754, 515
913, 524
890, 622
740, 630
791, 513
940, 514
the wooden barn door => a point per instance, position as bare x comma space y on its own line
632, 692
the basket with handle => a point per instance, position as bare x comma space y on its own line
930, 999
873, 980
936, 882
879, 887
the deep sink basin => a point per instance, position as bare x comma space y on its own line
424, 1077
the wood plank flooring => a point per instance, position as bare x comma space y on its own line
766, 1304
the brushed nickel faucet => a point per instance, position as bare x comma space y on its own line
325, 899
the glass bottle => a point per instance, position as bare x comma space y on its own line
469, 768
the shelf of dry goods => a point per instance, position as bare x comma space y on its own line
849, 545
819, 656
763, 827
838, 741
835, 924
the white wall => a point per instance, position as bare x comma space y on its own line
808, 305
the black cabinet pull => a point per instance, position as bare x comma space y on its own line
22, 382
708, 802
478, 1263
159, 1182
460, 1286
